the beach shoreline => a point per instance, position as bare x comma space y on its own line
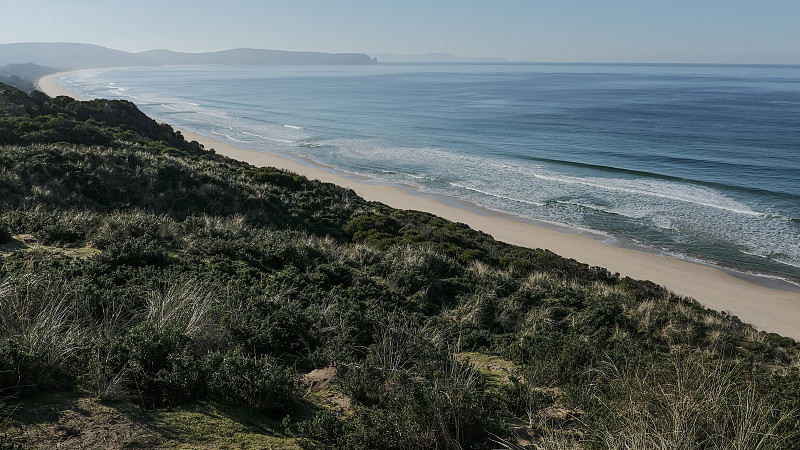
49, 85
765, 307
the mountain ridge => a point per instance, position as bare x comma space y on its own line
23, 76
64, 56
69, 56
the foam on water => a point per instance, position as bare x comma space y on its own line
496, 195
684, 211
574, 147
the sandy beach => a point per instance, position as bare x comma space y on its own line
769, 309
49, 85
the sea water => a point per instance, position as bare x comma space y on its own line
700, 162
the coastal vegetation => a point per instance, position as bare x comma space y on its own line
167, 295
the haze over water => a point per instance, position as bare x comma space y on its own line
697, 161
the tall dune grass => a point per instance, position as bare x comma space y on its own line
689, 402
41, 324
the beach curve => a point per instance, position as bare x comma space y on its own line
768, 309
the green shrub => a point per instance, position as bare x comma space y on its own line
375, 229
141, 251
51, 226
600, 315
278, 177
257, 382
363, 384
323, 431
162, 367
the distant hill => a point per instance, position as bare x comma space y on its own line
67, 56
251, 56
23, 76
430, 58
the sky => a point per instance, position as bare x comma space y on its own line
678, 31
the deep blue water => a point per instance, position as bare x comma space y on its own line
698, 161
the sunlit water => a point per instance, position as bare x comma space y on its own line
697, 161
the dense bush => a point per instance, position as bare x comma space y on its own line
38, 119
258, 382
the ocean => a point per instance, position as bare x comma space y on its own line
700, 162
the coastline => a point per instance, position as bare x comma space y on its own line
49, 85
766, 308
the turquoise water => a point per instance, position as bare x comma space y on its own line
701, 162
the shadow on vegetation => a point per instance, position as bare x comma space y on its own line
144, 270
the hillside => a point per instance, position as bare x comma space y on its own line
64, 56
23, 76
68, 56
154, 293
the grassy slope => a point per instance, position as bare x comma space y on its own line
139, 269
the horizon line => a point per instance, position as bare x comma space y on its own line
505, 60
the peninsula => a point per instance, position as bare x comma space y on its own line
71, 56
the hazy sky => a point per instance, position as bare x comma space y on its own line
714, 31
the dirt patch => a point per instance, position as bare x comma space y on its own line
496, 368
322, 389
78, 423
27, 242
321, 378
